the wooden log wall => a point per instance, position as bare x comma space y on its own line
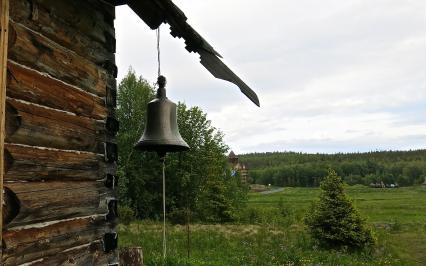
60, 152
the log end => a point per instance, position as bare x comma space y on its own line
11, 207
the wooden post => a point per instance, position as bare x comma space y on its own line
4, 17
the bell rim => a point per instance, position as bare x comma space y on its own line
154, 146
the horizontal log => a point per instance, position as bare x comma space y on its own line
90, 254
26, 245
36, 51
41, 202
34, 125
90, 35
27, 163
91, 18
33, 86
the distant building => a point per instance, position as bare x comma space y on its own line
238, 167
383, 185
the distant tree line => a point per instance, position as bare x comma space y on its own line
405, 168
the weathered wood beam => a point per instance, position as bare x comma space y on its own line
149, 11
115, 2
44, 202
28, 163
90, 35
4, 27
89, 254
36, 51
28, 244
36, 87
156, 12
35, 125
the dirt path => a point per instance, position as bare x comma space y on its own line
272, 191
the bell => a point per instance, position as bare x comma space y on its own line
161, 132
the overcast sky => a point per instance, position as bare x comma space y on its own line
331, 75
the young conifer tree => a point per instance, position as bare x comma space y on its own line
333, 220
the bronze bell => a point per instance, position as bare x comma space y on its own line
161, 132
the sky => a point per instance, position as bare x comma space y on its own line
331, 75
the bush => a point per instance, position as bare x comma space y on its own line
213, 205
180, 216
126, 214
334, 222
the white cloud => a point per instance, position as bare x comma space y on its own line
331, 75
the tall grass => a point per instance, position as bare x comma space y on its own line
270, 232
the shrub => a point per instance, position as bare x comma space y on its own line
126, 214
333, 221
180, 216
213, 205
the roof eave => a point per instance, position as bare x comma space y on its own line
156, 12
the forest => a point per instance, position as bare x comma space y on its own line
404, 168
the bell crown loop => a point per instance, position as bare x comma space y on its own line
161, 91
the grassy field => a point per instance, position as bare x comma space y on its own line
270, 232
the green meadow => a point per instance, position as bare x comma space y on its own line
270, 231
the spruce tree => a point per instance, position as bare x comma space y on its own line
333, 220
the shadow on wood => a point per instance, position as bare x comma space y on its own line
11, 206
